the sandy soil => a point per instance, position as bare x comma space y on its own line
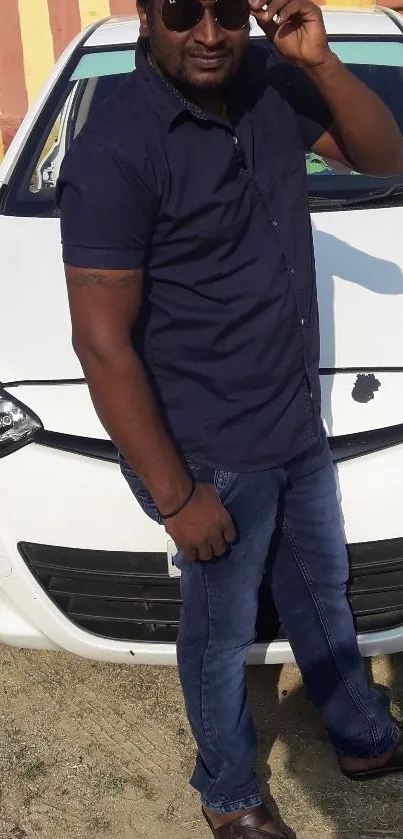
94, 751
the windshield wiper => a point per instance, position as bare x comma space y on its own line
318, 202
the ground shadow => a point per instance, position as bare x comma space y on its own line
312, 793
337, 261
263, 691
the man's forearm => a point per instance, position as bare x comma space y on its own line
369, 132
126, 407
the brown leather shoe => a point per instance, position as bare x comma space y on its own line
391, 767
245, 827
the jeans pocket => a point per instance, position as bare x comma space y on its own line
139, 491
203, 473
221, 481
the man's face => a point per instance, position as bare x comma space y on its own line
204, 57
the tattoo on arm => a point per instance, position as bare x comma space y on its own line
100, 279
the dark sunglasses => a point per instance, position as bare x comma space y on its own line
183, 15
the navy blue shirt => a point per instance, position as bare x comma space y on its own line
216, 212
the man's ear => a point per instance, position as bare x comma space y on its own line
142, 13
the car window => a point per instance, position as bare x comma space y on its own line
93, 75
88, 92
88, 83
380, 65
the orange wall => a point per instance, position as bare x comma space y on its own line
33, 33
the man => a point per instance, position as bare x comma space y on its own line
190, 272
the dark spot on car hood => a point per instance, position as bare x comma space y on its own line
365, 387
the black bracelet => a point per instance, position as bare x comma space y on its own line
183, 505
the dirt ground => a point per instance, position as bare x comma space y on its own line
95, 751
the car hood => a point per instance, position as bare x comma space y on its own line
359, 257
35, 333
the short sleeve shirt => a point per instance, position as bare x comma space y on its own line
216, 214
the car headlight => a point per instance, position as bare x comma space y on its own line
18, 424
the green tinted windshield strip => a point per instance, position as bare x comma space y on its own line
111, 63
116, 62
379, 53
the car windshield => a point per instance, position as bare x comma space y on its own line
94, 75
380, 65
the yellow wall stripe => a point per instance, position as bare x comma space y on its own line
35, 31
37, 43
92, 10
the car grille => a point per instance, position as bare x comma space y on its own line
129, 596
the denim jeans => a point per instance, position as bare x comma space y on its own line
308, 572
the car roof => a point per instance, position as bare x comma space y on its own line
371, 21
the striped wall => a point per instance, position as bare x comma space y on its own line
33, 33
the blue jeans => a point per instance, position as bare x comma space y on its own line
308, 572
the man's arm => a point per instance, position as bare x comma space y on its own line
104, 308
364, 132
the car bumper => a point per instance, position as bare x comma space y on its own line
16, 631
51, 498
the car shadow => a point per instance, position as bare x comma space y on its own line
307, 784
338, 261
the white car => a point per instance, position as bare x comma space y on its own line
81, 567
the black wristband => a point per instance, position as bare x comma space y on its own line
183, 505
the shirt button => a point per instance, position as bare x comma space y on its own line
291, 271
302, 321
235, 139
274, 222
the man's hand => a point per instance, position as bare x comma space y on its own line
364, 134
204, 528
296, 28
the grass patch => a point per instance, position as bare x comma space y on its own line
111, 783
21, 758
99, 823
33, 769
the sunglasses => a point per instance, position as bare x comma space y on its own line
183, 15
